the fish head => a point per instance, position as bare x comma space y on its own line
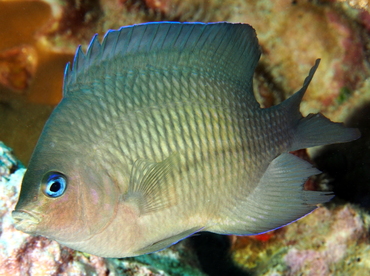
65, 195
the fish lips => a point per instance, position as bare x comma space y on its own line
25, 221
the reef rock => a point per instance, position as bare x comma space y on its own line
330, 241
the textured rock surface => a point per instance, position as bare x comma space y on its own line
330, 241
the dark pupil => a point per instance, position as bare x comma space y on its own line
55, 187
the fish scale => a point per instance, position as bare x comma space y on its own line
187, 138
193, 154
159, 136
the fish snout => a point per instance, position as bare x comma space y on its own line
25, 221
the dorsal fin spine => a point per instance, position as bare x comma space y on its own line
93, 50
187, 40
67, 72
224, 50
129, 43
117, 34
176, 39
78, 62
204, 37
150, 46
219, 45
168, 29
89, 48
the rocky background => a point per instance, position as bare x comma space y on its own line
37, 39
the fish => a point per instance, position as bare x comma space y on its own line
159, 136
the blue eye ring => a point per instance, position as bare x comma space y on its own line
54, 184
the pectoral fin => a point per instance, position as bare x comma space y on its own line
150, 184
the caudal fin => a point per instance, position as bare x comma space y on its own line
317, 130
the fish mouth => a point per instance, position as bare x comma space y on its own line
24, 220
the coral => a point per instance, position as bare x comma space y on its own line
17, 67
8, 162
78, 16
295, 33
27, 56
330, 241
339, 233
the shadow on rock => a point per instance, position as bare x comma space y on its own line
348, 164
213, 252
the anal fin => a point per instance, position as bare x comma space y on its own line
279, 198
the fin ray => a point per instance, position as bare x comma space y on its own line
314, 129
268, 206
162, 244
292, 104
317, 130
225, 51
147, 187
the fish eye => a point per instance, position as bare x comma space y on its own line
54, 184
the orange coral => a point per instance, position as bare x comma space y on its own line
17, 67
28, 64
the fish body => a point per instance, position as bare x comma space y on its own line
159, 136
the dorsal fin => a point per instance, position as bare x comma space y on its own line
225, 50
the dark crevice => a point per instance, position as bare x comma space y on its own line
213, 252
347, 164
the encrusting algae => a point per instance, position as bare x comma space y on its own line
159, 136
